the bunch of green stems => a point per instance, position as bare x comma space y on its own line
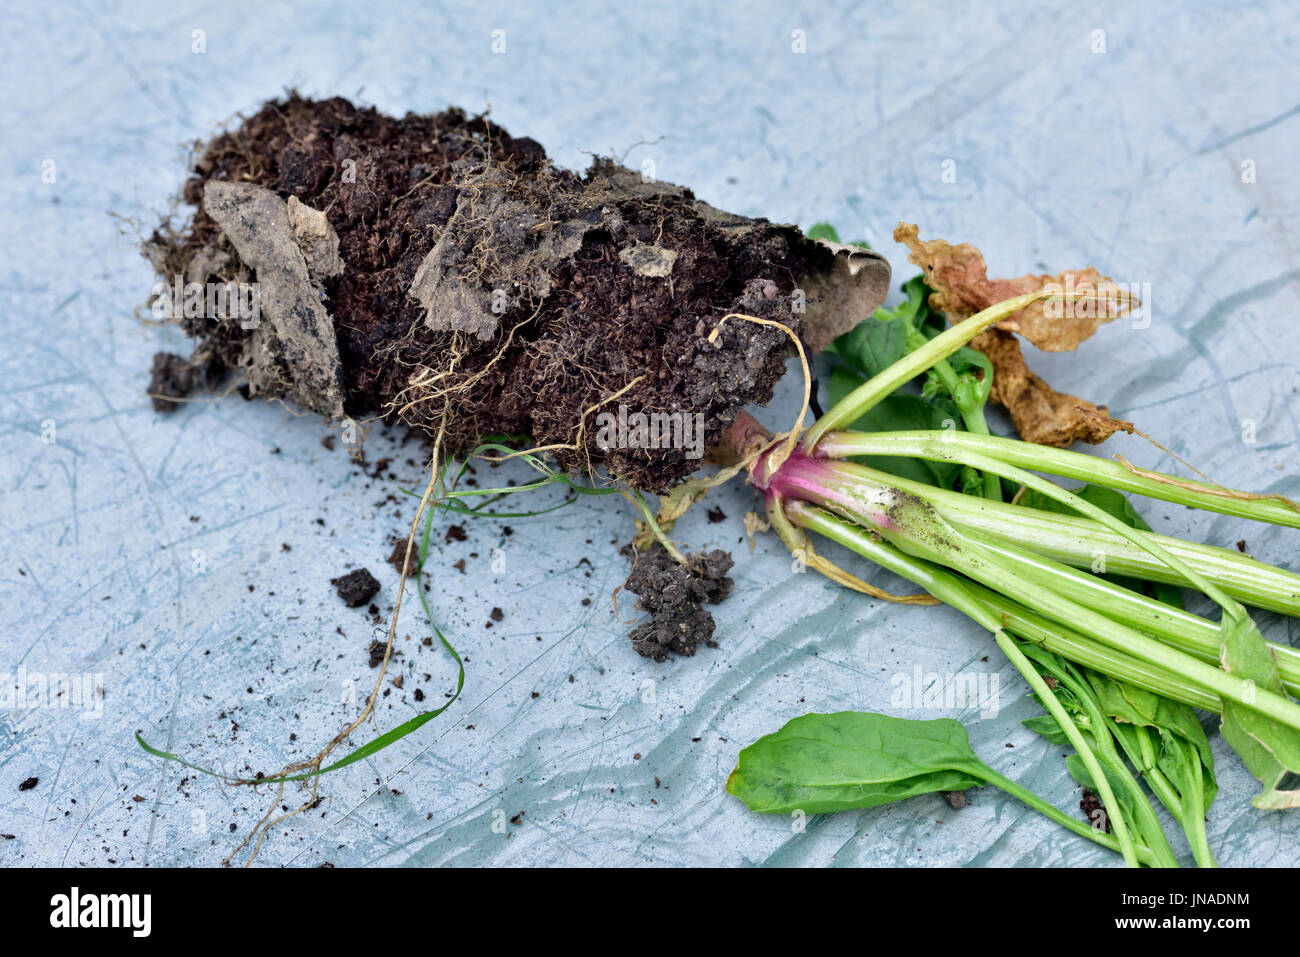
1016, 570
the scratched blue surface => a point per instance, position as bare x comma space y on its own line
183, 561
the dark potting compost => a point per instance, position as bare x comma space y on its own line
436, 271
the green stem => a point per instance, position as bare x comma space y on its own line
1180, 629
971, 560
998, 613
1067, 464
918, 529
1032, 800
1148, 752
1194, 820
1137, 745
1048, 698
953, 590
852, 407
1103, 738
1143, 540
653, 525
1077, 541
1187, 808
972, 416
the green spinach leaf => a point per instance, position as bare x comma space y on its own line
833, 762
1270, 749
872, 346
823, 231
820, 763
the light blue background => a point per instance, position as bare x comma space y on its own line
1129, 159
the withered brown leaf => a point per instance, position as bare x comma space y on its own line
962, 288
959, 278
1040, 413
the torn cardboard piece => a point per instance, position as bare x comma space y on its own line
292, 351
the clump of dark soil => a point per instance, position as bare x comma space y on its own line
175, 377
356, 587
439, 272
673, 593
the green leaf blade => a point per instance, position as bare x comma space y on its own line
1269, 748
820, 763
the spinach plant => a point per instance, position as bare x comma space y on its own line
819, 763
907, 475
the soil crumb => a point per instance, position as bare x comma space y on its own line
398, 557
356, 587
376, 651
673, 594
175, 377
1094, 810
